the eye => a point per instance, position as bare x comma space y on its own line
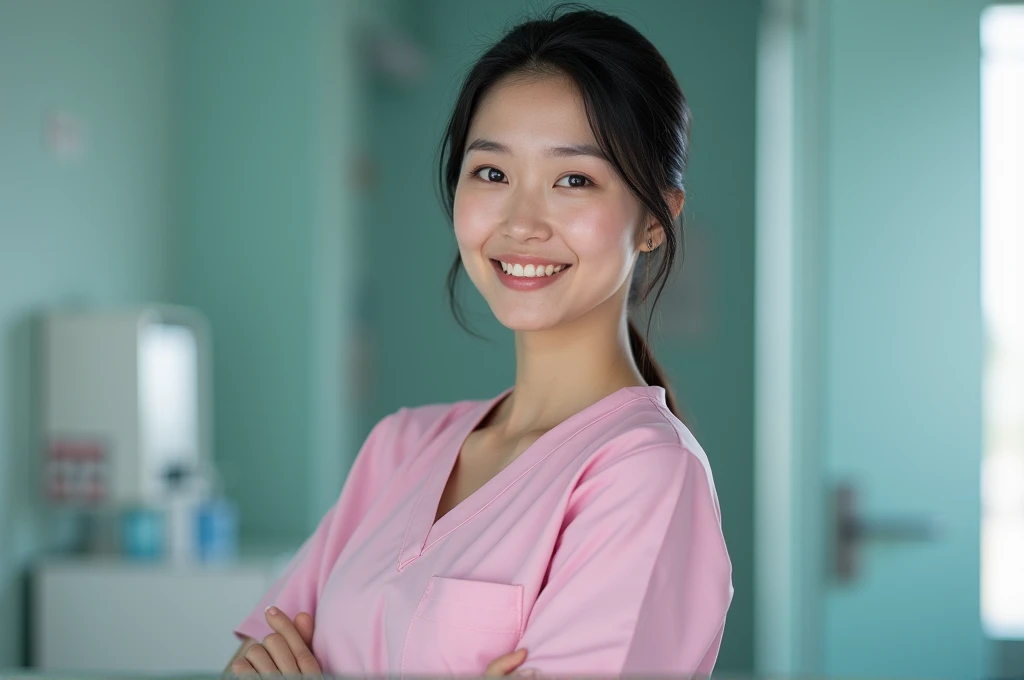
489, 174
575, 181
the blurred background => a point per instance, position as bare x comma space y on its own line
222, 260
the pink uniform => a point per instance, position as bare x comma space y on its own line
599, 549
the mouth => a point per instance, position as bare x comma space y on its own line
529, 276
530, 271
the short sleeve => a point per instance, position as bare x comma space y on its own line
640, 580
299, 586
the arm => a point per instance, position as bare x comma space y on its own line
298, 588
640, 580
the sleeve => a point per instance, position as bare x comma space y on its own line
640, 580
298, 588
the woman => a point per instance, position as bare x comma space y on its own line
570, 524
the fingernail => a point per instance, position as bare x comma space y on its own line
272, 610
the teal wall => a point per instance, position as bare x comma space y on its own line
268, 110
217, 173
92, 231
422, 355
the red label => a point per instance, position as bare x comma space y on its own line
77, 471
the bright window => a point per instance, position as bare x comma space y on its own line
1002, 114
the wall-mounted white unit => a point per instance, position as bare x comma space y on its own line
125, 405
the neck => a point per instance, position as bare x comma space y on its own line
562, 370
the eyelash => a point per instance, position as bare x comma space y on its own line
474, 174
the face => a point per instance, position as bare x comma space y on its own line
547, 230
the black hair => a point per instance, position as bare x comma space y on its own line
636, 110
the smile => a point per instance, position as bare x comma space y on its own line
529, 276
530, 271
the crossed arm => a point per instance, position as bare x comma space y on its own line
287, 651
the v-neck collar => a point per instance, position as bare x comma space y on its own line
422, 531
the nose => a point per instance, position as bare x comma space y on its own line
526, 216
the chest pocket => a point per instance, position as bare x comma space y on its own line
460, 626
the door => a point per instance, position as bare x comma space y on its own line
869, 407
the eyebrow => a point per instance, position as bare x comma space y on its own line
553, 152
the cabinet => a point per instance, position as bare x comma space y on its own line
108, 615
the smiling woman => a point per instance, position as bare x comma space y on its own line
570, 524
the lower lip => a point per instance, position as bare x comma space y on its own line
526, 282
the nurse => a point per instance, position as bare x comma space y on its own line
569, 524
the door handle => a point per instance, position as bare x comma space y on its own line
852, 530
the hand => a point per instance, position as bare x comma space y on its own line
285, 651
507, 663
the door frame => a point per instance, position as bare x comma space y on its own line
790, 536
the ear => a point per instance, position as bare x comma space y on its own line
655, 230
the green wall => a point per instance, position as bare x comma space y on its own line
90, 231
422, 355
217, 172
268, 105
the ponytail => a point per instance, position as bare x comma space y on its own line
649, 368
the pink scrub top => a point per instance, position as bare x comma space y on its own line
599, 549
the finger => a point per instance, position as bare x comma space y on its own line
261, 661
242, 667
281, 654
304, 659
506, 663
304, 624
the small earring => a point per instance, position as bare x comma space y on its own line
650, 244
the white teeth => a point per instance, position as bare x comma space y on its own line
530, 271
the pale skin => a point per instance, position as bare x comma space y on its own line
533, 187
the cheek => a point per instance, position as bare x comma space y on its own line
470, 213
601, 237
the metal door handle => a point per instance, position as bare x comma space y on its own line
851, 530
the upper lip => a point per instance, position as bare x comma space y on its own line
527, 259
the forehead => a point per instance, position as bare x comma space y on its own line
532, 111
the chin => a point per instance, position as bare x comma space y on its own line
521, 320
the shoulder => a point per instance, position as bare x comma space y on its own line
402, 433
640, 421
425, 422
640, 441
638, 460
